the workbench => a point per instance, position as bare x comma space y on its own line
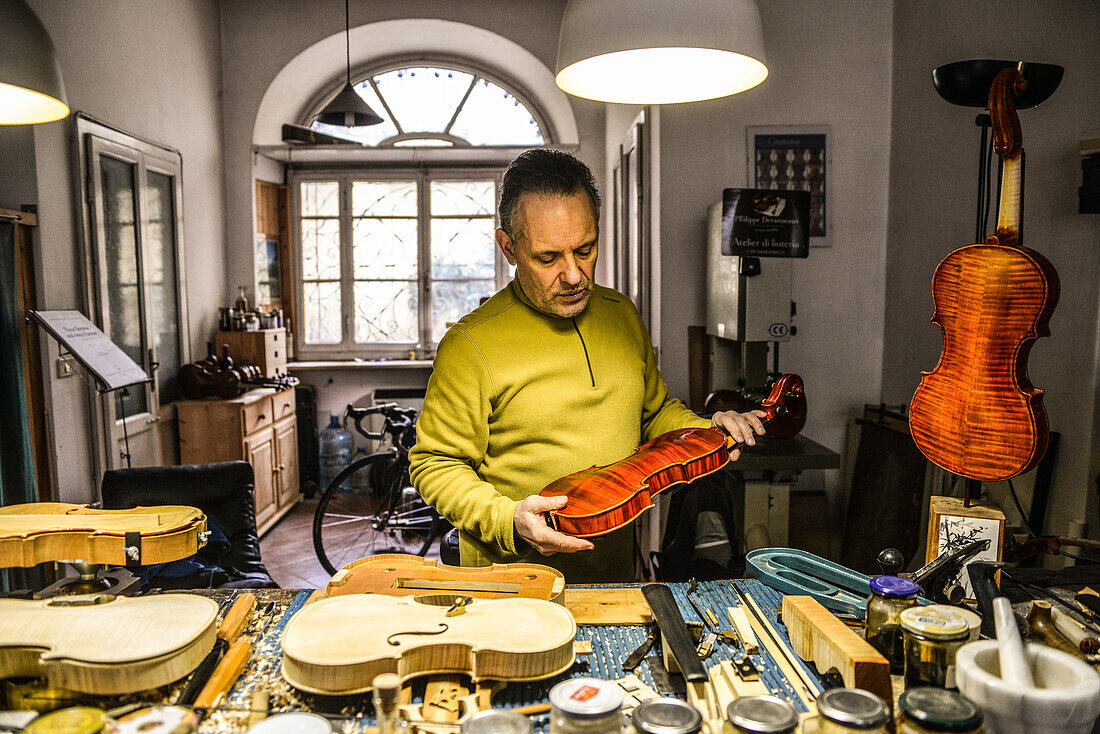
610, 646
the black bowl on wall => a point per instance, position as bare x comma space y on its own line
967, 83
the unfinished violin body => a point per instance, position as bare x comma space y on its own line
337, 646
106, 645
604, 498
399, 574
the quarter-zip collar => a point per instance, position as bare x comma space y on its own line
517, 289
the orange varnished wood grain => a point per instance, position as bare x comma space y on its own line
977, 414
604, 498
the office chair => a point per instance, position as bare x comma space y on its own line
222, 491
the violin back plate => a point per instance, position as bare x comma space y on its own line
39, 532
337, 646
398, 574
111, 646
977, 413
604, 498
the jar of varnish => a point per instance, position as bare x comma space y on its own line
926, 710
846, 710
586, 706
932, 636
761, 715
890, 596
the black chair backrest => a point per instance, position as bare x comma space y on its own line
223, 491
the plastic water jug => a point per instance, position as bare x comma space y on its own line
335, 452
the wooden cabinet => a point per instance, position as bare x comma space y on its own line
265, 348
259, 427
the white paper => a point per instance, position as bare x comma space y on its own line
92, 348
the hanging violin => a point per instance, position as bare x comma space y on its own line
605, 498
977, 414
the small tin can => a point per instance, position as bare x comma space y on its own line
844, 710
586, 706
890, 596
926, 710
666, 716
932, 636
73, 720
761, 715
497, 721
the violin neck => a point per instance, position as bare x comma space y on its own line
1010, 213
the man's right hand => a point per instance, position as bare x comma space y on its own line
530, 524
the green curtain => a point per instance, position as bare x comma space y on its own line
17, 479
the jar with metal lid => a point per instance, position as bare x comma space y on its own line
843, 710
761, 715
923, 710
586, 706
497, 721
890, 596
666, 716
932, 636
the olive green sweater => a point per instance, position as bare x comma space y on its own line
519, 398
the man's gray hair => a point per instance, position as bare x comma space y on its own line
545, 172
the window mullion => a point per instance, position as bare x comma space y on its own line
424, 258
347, 270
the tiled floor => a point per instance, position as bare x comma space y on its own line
287, 550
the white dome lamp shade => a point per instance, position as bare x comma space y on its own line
31, 90
660, 51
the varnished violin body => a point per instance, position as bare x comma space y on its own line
604, 498
977, 414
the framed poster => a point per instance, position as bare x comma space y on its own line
794, 158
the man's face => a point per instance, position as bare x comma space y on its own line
555, 251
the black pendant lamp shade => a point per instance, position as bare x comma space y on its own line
347, 109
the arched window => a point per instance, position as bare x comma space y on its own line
441, 106
390, 256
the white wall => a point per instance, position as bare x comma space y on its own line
829, 64
932, 200
151, 70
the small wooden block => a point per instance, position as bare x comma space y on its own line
582, 647
608, 606
817, 636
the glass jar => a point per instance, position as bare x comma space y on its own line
586, 706
844, 710
890, 596
932, 636
761, 715
666, 716
496, 721
923, 710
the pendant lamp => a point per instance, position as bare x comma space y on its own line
660, 51
31, 90
347, 108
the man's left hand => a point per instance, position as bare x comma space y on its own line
740, 426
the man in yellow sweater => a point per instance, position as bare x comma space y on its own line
551, 375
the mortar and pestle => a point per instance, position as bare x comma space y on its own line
1024, 689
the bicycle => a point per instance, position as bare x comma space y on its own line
390, 517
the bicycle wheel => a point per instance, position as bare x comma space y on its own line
353, 524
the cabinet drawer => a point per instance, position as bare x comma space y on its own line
282, 404
256, 415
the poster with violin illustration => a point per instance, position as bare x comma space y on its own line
794, 158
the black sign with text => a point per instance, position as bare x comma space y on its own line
765, 223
